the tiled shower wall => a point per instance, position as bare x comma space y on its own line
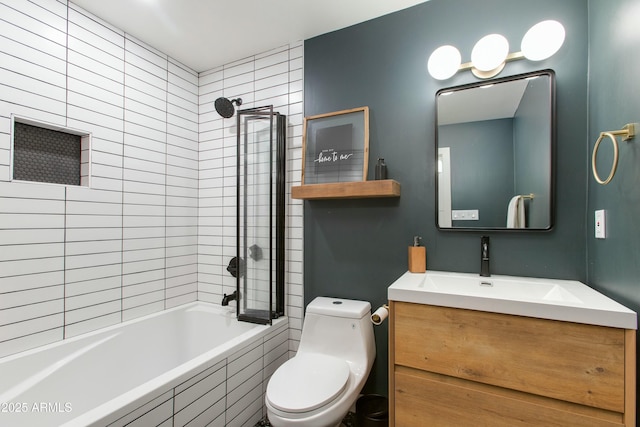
74, 259
272, 78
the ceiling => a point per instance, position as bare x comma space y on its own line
204, 34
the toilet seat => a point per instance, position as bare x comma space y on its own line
307, 382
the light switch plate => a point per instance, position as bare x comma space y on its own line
600, 224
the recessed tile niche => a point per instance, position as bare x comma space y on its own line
50, 154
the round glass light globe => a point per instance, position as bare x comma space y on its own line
444, 62
542, 40
490, 52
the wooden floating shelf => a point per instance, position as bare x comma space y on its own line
347, 190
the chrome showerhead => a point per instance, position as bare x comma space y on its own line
224, 106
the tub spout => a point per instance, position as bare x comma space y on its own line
227, 298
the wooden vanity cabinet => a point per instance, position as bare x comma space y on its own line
457, 367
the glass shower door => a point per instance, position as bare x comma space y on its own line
260, 214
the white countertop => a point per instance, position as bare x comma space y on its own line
565, 300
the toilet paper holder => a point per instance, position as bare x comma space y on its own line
380, 315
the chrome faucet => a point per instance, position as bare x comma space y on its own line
484, 256
227, 298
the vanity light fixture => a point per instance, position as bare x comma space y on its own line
444, 62
491, 53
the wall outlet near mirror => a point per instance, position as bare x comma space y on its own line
465, 215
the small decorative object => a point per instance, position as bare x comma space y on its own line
335, 147
381, 169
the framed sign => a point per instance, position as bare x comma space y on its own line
335, 147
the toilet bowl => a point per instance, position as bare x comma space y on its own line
318, 386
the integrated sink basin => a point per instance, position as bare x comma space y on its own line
565, 300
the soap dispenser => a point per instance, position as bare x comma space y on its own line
417, 257
381, 170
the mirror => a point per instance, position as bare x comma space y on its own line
494, 151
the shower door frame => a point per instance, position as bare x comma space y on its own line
262, 113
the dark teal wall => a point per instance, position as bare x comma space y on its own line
614, 100
481, 156
355, 249
531, 126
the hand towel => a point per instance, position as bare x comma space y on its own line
515, 213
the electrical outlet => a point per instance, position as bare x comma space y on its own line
465, 215
600, 224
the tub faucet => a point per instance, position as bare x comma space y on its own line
227, 298
484, 256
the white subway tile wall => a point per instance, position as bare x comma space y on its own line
156, 228
272, 78
145, 129
32, 267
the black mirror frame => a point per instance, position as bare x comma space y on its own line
553, 142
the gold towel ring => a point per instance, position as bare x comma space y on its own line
627, 132
614, 166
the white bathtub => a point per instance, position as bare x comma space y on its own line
192, 364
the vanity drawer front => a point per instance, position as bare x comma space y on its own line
423, 399
578, 363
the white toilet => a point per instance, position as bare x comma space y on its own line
318, 386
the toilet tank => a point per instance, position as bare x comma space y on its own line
339, 327
339, 307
